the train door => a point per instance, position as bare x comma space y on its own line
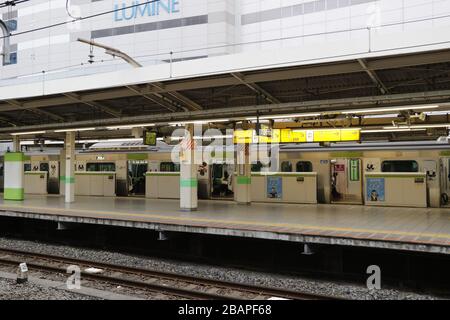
2, 175
221, 181
346, 181
444, 164
53, 177
44, 167
433, 187
136, 177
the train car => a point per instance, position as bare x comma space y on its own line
344, 170
396, 173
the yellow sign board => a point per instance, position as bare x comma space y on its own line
298, 136
327, 135
293, 136
243, 136
271, 136
350, 135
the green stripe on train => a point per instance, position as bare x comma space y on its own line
244, 180
13, 194
137, 156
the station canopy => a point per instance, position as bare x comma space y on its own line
396, 97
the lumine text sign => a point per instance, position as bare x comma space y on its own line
132, 10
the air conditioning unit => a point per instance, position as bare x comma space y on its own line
443, 139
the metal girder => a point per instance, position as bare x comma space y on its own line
156, 98
304, 106
9, 121
19, 105
93, 104
192, 105
256, 88
374, 77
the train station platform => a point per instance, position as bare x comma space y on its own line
420, 230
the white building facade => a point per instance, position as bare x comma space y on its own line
171, 31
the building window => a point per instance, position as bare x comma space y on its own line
286, 166
304, 166
400, 166
101, 167
27, 167
169, 167
12, 58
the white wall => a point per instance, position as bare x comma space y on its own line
250, 32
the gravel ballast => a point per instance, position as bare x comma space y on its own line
10, 290
343, 290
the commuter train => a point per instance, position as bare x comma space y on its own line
378, 173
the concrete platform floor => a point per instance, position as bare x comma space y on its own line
422, 230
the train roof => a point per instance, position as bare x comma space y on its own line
366, 146
134, 147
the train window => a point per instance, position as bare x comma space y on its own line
169, 167
27, 167
43, 166
101, 167
256, 167
259, 166
286, 166
400, 166
304, 166
217, 172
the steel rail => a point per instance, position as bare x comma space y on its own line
258, 291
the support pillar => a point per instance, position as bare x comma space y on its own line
69, 178
188, 172
244, 174
13, 174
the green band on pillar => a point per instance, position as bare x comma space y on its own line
188, 183
14, 157
67, 179
244, 180
13, 194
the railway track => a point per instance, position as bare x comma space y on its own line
169, 284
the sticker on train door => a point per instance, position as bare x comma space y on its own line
375, 189
354, 170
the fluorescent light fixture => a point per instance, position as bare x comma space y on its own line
213, 137
420, 126
390, 130
26, 133
75, 130
109, 140
437, 113
381, 116
131, 126
324, 129
46, 142
182, 123
388, 109
287, 116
